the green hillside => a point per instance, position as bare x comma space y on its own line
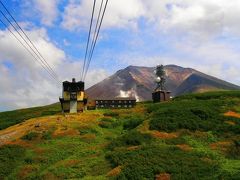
14, 117
192, 137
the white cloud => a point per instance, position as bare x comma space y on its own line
47, 9
24, 82
124, 13
195, 19
217, 59
11, 50
94, 76
121, 14
75, 16
198, 18
193, 27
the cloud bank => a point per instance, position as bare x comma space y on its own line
24, 82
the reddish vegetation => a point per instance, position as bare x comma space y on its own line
51, 176
39, 150
25, 171
70, 132
88, 136
66, 162
71, 162
232, 114
222, 145
99, 146
184, 147
13, 134
163, 135
132, 148
20, 143
114, 172
163, 176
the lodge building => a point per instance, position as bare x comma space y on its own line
115, 103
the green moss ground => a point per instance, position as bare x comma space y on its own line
11, 118
205, 146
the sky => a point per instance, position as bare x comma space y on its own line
202, 34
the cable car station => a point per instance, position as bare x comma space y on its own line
73, 97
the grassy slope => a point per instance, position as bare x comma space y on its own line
187, 138
10, 118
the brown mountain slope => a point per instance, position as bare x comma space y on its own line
139, 82
199, 82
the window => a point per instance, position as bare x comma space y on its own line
96, 102
130, 106
119, 106
73, 96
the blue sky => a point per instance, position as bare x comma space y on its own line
200, 34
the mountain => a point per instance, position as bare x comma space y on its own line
139, 82
199, 82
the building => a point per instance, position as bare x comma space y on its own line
114, 103
160, 96
91, 104
73, 97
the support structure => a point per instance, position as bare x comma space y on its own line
160, 94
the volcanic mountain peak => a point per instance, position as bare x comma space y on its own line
139, 81
178, 74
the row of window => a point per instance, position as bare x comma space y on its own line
98, 102
114, 106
